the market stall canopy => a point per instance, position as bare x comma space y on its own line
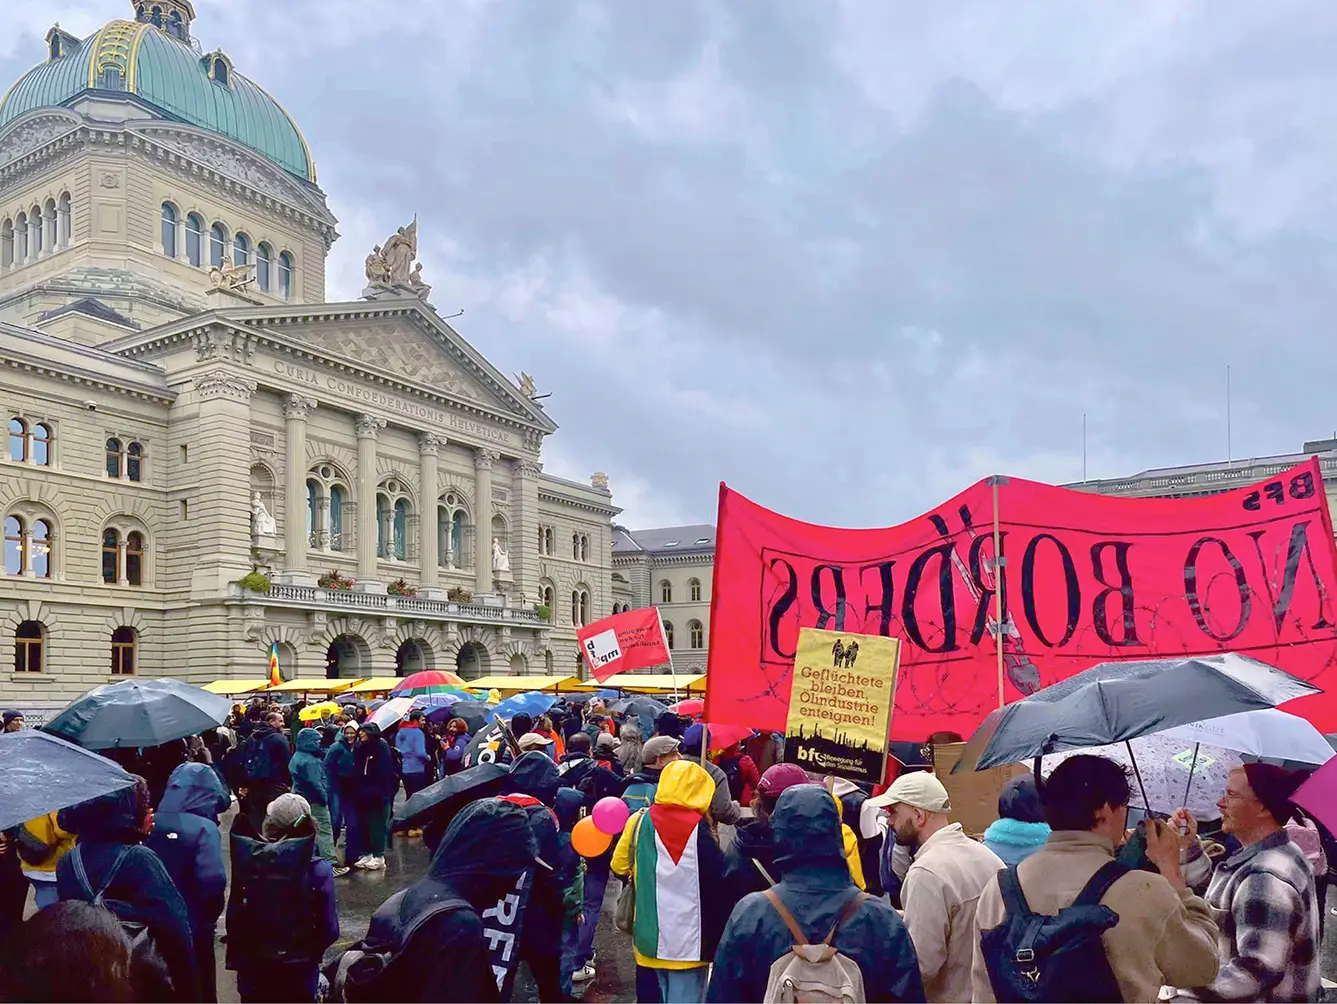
652, 683
312, 686
375, 684
230, 687
520, 684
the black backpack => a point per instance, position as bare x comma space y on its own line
1034, 958
366, 971
136, 932
733, 771
271, 908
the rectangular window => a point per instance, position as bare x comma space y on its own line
185, 454
185, 509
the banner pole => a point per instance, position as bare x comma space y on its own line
998, 587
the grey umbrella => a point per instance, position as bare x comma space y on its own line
1117, 701
139, 713
40, 773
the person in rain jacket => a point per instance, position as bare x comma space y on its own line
411, 741
41, 843
1020, 829
487, 847
454, 745
339, 775
570, 874
374, 784
535, 780
681, 899
266, 768
132, 879
307, 768
816, 888
186, 838
723, 809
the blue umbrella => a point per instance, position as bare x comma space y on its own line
139, 713
40, 773
531, 703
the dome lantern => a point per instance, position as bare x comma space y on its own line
172, 16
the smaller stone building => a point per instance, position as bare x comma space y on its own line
671, 568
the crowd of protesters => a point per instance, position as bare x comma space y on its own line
736, 874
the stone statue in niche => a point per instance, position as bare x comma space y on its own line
501, 561
261, 522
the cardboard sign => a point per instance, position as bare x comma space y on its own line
1087, 579
840, 704
974, 793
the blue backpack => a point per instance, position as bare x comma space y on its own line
1034, 958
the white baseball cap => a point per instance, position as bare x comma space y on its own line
920, 790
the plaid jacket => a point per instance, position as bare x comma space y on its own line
1262, 899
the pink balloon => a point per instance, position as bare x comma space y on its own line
610, 815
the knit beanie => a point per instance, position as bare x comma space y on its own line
283, 814
1274, 787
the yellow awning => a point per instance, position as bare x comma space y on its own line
312, 686
228, 687
521, 684
374, 684
651, 683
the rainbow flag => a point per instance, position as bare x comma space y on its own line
274, 677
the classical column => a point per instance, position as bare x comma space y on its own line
367, 428
429, 450
525, 553
220, 507
295, 541
483, 460
34, 235
322, 527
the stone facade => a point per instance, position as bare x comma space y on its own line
201, 465
671, 568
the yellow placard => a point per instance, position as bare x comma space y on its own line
841, 702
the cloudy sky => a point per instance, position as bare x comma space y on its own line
847, 256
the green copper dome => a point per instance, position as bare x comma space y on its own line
141, 59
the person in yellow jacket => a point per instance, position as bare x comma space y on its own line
42, 843
682, 903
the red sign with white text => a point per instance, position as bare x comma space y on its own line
1085, 579
623, 642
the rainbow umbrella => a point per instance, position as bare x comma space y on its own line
431, 681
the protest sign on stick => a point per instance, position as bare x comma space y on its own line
623, 642
840, 705
1087, 579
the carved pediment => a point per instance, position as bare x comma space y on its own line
33, 132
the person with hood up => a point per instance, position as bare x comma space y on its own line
339, 777
749, 863
109, 862
816, 889
487, 847
670, 854
282, 913
374, 784
186, 838
307, 768
265, 766
723, 809
411, 741
535, 780
1020, 829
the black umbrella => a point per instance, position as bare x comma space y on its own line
646, 709
40, 773
1117, 701
476, 714
139, 713
450, 794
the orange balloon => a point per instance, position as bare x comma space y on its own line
588, 840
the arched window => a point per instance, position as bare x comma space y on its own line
134, 462
668, 633
694, 590
575, 607
21, 239
546, 596
241, 250
35, 229
53, 47
123, 652
337, 517
156, 17
169, 230
312, 513
134, 559
285, 276
111, 556
382, 519
551, 539
263, 255
49, 224
575, 547
220, 71
666, 592
41, 549
7, 243
16, 545
401, 526
457, 538
547, 661
41, 444
217, 245
64, 220
195, 238
584, 607
29, 643
115, 454
18, 440
697, 633
584, 548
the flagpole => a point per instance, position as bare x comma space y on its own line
998, 562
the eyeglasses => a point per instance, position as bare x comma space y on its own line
1238, 795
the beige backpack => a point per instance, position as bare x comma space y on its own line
814, 974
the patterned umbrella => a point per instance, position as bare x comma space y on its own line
1173, 773
431, 681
